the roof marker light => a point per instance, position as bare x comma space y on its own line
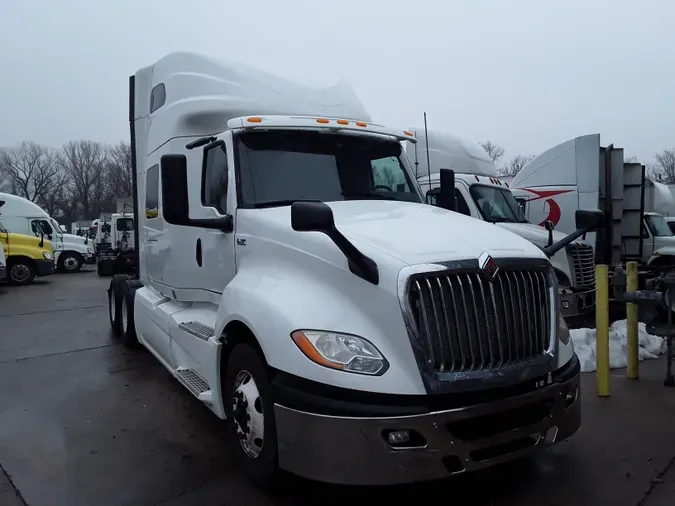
322, 120
361, 124
254, 119
408, 133
343, 122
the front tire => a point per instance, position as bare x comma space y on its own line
70, 262
20, 272
249, 407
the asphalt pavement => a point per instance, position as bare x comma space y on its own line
85, 422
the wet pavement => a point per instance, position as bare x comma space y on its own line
85, 422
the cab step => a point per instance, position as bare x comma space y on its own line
197, 385
198, 329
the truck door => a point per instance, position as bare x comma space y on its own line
214, 250
460, 201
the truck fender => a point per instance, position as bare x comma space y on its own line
273, 303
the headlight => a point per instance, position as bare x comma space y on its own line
563, 331
47, 255
340, 351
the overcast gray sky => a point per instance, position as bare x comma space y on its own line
526, 74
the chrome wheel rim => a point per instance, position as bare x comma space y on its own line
247, 412
70, 263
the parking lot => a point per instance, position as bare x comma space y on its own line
84, 421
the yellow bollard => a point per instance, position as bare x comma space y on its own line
602, 329
633, 371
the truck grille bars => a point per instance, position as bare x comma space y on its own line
473, 320
583, 265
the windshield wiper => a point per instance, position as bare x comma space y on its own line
369, 194
279, 203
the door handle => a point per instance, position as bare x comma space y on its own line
199, 252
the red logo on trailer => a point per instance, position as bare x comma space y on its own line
554, 211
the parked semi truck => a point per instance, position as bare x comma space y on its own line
3, 265
21, 216
118, 257
481, 194
26, 256
582, 174
348, 332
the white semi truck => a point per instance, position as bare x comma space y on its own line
21, 216
582, 174
347, 332
481, 194
117, 257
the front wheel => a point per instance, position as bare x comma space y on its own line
70, 262
250, 414
21, 272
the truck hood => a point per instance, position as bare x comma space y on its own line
72, 238
394, 232
534, 233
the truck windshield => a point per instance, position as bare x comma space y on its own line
125, 224
658, 226
279, 167
497, 204
55, 226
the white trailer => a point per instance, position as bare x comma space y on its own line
349, 333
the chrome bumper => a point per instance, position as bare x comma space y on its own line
356, 451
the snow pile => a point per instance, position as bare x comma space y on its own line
584, 345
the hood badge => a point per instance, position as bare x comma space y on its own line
488, 266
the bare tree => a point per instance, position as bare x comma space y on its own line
85, 163
665, 164
494, 151
30, 171
515, 164
631, 159
118, 170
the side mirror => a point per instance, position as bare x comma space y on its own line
312, 217
549, 226
318, 217
447, 195
174, 189
588, 219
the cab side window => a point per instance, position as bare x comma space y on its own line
152, 192
462, 206
40, 227
214, 178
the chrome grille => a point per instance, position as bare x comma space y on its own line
465, 322
583, 265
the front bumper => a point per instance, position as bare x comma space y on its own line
354, 449
44, 267
89, 258
577, 303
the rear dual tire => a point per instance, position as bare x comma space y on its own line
121, 297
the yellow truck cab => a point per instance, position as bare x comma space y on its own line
26, 257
